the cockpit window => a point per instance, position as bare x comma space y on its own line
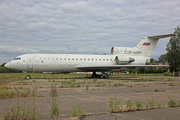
17, 58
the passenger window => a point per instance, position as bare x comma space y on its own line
76, 58
69, 59
64, 58
56, 58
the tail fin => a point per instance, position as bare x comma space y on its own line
147, 45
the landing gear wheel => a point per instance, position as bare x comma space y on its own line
27, 77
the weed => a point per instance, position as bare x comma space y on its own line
120, 84
98, 85
78, 86
159, 90
178, 104
95, 80
95, 110
144, 80
72, 84
172, 102
53, 80
139, 104
87, 87
158, 105
53, 92
151, 80
151, 103
5, 93
34, 113
129, 105
18, 113
114, 105
54, 106
81, 111
77, 111
172, 84
104, 84
115, 84
74, 111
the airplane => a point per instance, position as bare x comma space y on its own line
122, 59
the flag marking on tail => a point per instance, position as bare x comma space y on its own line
146, 43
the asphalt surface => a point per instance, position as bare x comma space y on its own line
94, 101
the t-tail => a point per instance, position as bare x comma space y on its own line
144, 48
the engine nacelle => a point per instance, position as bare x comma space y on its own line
124, 60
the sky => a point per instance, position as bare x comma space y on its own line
83, 26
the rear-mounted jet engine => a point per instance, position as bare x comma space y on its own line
124, 60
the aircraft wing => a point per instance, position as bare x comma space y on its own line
110, 67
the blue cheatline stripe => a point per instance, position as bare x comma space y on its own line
123, 61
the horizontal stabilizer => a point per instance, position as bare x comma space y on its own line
160, 36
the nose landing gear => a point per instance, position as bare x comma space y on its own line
27, 76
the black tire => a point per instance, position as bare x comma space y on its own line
27, 77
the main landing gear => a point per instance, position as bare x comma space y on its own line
104, 75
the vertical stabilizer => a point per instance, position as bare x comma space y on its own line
143, 49
147, 45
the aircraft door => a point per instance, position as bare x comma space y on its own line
30, 64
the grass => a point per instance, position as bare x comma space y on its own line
77, 110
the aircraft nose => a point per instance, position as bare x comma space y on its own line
8, 65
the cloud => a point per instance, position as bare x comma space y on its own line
82, 26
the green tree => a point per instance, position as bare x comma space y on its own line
152, 60
163, 58
173, 50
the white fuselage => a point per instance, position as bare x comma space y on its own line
64, 62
